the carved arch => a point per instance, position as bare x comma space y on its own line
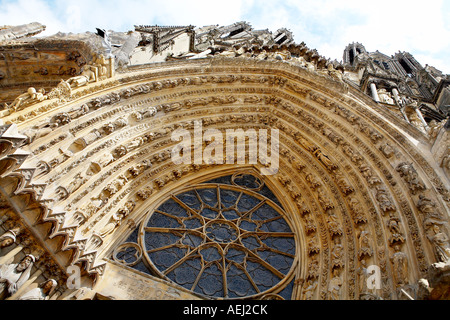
340, 161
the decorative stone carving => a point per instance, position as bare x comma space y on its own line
337, 254
116, 220
384, 200
324, 200
312, 180
411, 177
365, 248
441, 244
431, 216
400, 266
26, 99
13, 276
8, 238
88, 74
358, 214
335, 285
42, 292
343, 184
397, 236
334, 226
325, 160
310, 289
145, 114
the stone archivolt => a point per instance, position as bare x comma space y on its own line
97, 162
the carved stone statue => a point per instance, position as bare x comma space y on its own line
337, 254
334, 287
400, 266
396, 234
42, 292
27, 98
310, 289
84, 78
39, 130
411, 177
364, 245
383, 200
385, 96
324, 200
8, 239
441, 244
117, 219
363, 275
13, 276
428, 208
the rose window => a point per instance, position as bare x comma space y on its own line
227, 238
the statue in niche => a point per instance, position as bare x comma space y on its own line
363, 276
368, 174
134, 144
305, 143
357, 211
343, 184
400, 266
334, 287
333, 226
76, 183
337, 253
324, 200
13, 276
385, 97
428, 208
116, 124
8, 238
136, 170
42, 292
313, 181
365, 249
97, 166
101, 65
313, 268
434, 129
62, 157
114, 186
441, 245
384, 200
411, 177
310, 289
354, 157
396, 234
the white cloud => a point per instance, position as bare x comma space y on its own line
418, 27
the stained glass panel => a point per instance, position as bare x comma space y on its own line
227, 238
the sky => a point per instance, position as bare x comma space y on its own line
421, 28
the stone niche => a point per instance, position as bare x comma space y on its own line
122, 283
